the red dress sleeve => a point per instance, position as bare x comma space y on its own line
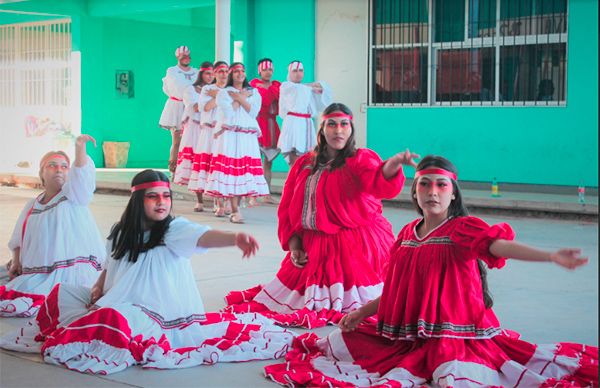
367, 166
285, 227
476, 235
275, 86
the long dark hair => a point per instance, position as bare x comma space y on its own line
349, 149
245, 85
127, 235
200, 80
456, 209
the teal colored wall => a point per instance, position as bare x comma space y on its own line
267, 33
137, 36
147, 49
531, 145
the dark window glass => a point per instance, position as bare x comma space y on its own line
465, 75
533, 72
400, 76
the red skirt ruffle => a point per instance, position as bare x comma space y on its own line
362, 358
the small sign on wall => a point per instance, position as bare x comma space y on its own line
124, 83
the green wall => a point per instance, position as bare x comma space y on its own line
266, 33
147, 49
532, 145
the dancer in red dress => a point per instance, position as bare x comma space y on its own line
435, 324
269, 91
331, 224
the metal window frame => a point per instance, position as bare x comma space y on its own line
497, 41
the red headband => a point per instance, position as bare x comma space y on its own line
337, 114
236, 67
265, 65
148, 185
205, 68
221, 67
438, 171
53, 156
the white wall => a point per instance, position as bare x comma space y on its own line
342, 54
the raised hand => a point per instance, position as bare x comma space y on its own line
213, 93
83, 139
392, 165
569, 258
405, 157
247, 244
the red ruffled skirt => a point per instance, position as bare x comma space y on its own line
344, 271
363, 358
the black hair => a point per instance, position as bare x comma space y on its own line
456, 209
127, 235
264, 60
199, 79
218, 63
245, 85
349, 149
295, 60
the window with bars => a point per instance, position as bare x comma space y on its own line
468, 52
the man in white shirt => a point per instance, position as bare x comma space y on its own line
174, 83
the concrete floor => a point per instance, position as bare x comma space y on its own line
543, 302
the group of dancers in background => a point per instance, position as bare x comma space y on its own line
412, 310
221, 125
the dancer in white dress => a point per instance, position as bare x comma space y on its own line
191, 127
145, 308
174, 83
298, 105
236, 168
207, 105
56, 239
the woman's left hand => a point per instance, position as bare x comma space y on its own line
247, 244
569, 258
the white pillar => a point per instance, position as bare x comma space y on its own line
222, 30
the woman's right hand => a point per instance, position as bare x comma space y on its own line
298, 258
350, 321
15, 269
213, 93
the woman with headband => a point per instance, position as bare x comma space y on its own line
235, 168
190, 124
434, 320
267, 118
145, 307
332, 226
56, 239
207, 105
298, 105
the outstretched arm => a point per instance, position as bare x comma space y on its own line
569, 258
216, 238
80, 151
